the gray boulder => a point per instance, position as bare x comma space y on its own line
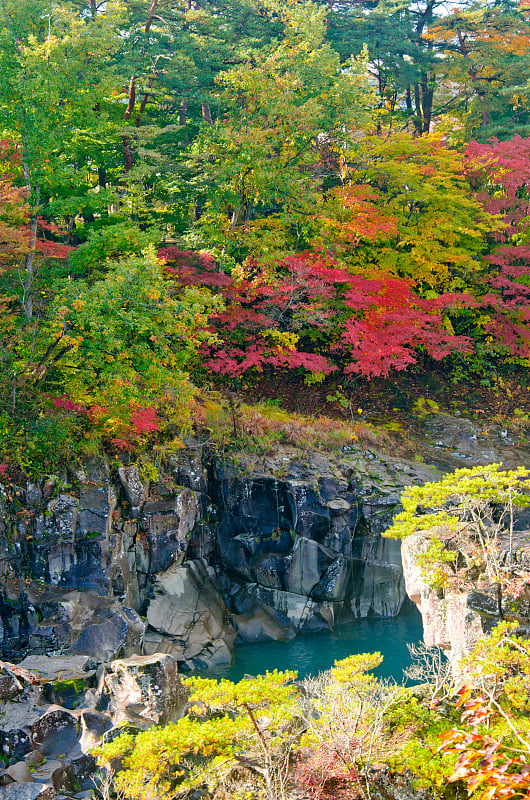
299, 611
55, 668
55, 732
27, 791
260, 624
20, 772
145, 689
17, 721
55, 772
188, 606
86, 623
336, 582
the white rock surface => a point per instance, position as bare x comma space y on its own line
448, 621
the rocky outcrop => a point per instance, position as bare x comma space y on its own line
103, 563
451, 441
299, 540
27, 791
144, 690
453, 620
79, 557
188, 616
105, 566
83, 622
47, 748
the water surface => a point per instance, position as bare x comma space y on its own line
316, 652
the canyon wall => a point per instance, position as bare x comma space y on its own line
98, 561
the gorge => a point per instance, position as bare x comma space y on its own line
100, 561
114, 581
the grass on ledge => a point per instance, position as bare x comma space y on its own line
262, 427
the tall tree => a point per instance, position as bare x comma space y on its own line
485, 48
53, 63
401, 58
265, 166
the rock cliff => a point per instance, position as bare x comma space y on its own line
453, 620
99, 561
456, 618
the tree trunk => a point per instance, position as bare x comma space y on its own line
329, 14
425, 91
418, 124
128, 151
207, 113
474, 78
427, 95
150, 16
183, 111
408, 100
29, 272
29, 262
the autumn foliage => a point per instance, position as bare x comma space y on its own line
490, 769
324, 201
352, 304
500, 172
312, 313
490, 741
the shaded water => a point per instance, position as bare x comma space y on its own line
316, 652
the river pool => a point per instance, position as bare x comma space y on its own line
316, 652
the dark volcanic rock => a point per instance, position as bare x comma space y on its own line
86, 624
55, 733
283, 543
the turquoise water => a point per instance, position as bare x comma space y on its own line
315, 652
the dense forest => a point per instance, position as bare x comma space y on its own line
195, 195
229, 227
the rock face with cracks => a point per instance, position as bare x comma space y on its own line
97, 561
454, 620
104, 564
188, 616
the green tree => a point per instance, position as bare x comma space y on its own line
485, 66
125, 342
406, 209
468, 521
265, 165
53, 63
402, 60
230, 728
492, 737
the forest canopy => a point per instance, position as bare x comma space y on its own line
193, 193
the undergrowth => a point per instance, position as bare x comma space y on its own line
261, 427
